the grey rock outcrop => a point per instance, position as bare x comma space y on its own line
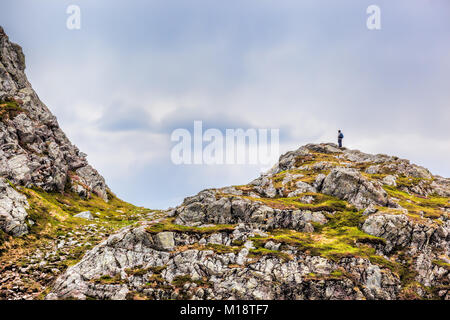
267, 278
13, 214
210, 207
401, 232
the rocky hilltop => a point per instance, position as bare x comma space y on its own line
324, 223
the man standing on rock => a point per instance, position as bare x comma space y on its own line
340, 137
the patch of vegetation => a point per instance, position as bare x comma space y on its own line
138, 271
106, 279
428, 207
404, 271
411, 292
157, 269
157, 281
222, 249
322, 202
374, 176
168, 225
53, 221
307, 176
75, 255
181, 280
409, 182
9, 110
442, 264
277, 180
339, 239
315, 157
113, 211
3, 238
260, 252
334, 275
362, 166
134, 295
238, 243
346, 218
245, 188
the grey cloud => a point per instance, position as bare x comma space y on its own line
305, 67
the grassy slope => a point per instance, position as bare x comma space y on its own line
54, 222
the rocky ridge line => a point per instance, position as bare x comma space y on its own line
324, 223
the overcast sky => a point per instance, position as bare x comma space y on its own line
137, 70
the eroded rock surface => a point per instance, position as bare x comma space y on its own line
13, 214
128, 263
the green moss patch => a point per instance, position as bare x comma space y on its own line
9, 110
261, 252
315, 157
428, 207
334, 275
106, 279
222, 249
113, 211
54, 222
307, 176
181, 280
441, 264
168, 225
321, 203
408, 182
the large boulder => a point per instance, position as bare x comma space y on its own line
348, 184
164, 241
13, 212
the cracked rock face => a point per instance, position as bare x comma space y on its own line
210, 207
34, 150
268, 278
13, 212
348, 184
399, 231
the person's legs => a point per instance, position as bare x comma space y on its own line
340, 143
